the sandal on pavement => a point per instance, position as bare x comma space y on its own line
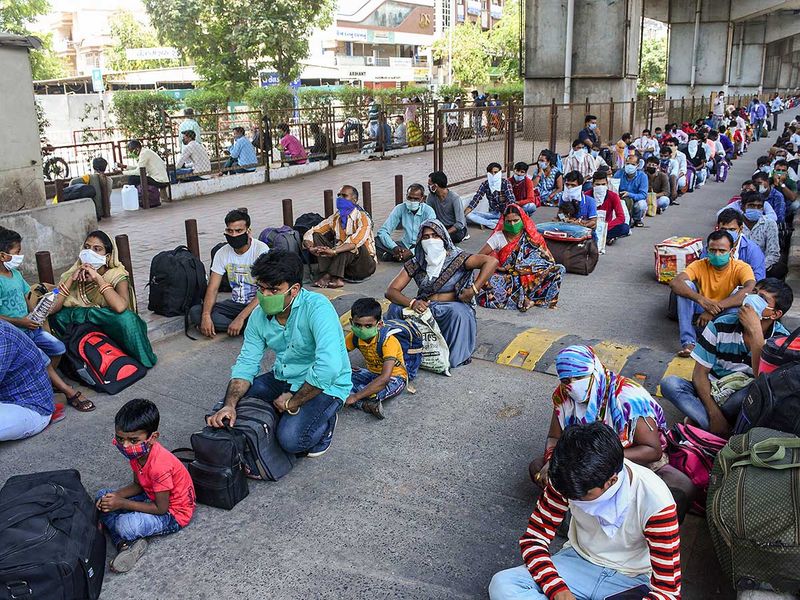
80, 403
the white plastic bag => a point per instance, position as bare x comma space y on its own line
435, 352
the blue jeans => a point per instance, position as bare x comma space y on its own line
618, 231
683, 395
18, 422
662, 202
129, 526
299, 433
363, 377
585, 580
46, 342
529, 208
687, 310
639, 209
757, 129
487, 219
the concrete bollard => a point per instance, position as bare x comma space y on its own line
124, 251
192, 239
328, 202
60, 185
399, 190
44, 267
288, 215
366, 196
145, 187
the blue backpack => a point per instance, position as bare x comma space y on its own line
410, 341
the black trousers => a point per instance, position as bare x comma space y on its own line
222, 314
136, 180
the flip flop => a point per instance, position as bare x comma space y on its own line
317, 284
82, 405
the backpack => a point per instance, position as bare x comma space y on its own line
216, 467
722, 170
691, 451
225, 284
255, 426
177, 282
153, 193
410, 341
773, 401
753, 510
50, 544
281, 238
307, 221
93, 359
779, 351
79, 190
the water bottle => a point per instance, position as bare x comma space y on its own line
39, 314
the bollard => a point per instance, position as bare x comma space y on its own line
399, 190
192, 240
328, 200
288, 217
124, 251
44, 266
366, 196
145, 188
60, 184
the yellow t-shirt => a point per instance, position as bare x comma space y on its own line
391, 350
717, 285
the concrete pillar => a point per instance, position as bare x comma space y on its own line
602, 66
749, 55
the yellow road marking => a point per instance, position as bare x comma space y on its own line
528, 347
614, 355
680, 367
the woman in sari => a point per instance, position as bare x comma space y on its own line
96, 290
527, 275
444, 277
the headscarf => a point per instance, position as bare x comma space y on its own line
417, 266
86, 294
528, 229
615, 400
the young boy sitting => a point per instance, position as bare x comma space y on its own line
161, 498
14, 308
385, 376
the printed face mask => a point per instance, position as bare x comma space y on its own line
14, 262
90, 257
133, 451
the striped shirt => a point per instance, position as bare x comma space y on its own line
357, 231
721, 346
647, 543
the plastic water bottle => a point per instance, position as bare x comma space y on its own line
42, 310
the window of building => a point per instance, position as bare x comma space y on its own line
389, 14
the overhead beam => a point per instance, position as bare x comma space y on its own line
742, 10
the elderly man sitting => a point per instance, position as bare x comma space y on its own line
409, 215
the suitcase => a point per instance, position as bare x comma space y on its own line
572, 246
674, 254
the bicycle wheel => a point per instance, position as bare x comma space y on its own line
56, 168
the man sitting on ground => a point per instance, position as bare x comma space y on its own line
310, 377
588, 135
709, 287
194, 156
499, 194
235, 259
189, 124
657, 183
580, 160
609, 201
771, 195
448, 206
410, 215
670, 167
343, 243
732, 221
242, 154
624, 535
729, 344
400, 132
736, 202
680, 158
763, 232
154, 165
633, 186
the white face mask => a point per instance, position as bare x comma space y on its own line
692, 146
572, 193
15, 262
412, 206
578, 390
494, 180
434, 256
579, 152
763, 189
611, 507
600, 193
90, 257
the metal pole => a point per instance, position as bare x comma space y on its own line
44, 267
60, 188
366, 196
145, 188
192, 240
124, 251
288, 217
611, 135
553, 124
632, 115
399, 190
327, 199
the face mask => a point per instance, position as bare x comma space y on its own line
579, 152
650, 170
594, 153
753, 214
765, 169
434, 256
494, 180
413, 206
133, 451
757, 303
611, 507
518, 177
273, 304
734, 235
763, 189
578, 390
432, 189
630, 169
90, 257
572, 193
514, 228
364, 333
238, 241
15, 262
719, 260
665, 162
600, 192
592, 126
543, 164
692, 146
344, 205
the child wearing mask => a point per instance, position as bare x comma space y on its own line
161, 498
522, 185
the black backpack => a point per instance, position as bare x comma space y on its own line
282, 238
50, 545
177, 282
225, 284
773, 402
93, 359
307, 221
79, 190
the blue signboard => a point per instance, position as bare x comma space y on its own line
270, 79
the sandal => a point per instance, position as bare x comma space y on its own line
81, 404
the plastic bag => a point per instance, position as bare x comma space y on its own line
435, 351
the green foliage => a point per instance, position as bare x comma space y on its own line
653, 71
453, 91
41, 119
128, 32
508, 92
207, 102
503, 41
16, 16
46, 64
140, 114
276, 101
315, 98
470, 58
353, 96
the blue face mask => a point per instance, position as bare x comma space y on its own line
753, 214
734, 235
630, 169
518, 177
757, 303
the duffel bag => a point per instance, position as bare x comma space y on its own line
779, 351
215, 485
572, 246
691, 451
50, 544
753, 510
773, 401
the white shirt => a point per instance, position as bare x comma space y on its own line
237, 267
719, 106
680, 157
156, 168
194, 155
795, 139
645, 144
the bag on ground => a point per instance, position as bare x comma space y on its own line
410, 340
691, 451
674, 254
281, 238
779, 351
177, 282
652, 204
153, 193
219, 479
572, 246
79, 190
722, 171
225, 284
307, 221
50, 543
773, 401
93, 359
435, 351
753, 510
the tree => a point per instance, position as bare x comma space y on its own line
16, 16
470, 60
230, 41
128, 32
503, 41
653, 71
45, 63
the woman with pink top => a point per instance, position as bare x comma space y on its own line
293, 150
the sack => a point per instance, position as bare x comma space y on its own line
652, 204
218, 486
177, 282
153, 193
281, 238
722, 170
410, 340
50, 544
225, 284
255, 426
601, 231
754, 510
307, 221
674, 254
572, 246
773, 401
93, 359
691, 451
779, 351
79, 190
435, 351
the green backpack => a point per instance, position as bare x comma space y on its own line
753, 510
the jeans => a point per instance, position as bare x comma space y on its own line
46, 342
683, 395
363, 377
757, 129
487, 219
618, 231
662, 202
638, 210
585, 580
18, 422
299, 433
687, 310
529, 208
701, 175
129, 526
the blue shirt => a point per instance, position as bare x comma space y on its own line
244, 152
308, 349
636, 187
411, 223
750, 253
778, 202
23, 372
12, 295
